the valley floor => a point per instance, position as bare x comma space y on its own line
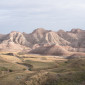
32, 69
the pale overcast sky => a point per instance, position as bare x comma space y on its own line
27, 15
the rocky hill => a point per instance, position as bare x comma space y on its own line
50, 50
47, 41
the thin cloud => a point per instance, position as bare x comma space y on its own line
22, 15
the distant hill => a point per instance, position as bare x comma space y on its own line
48, 41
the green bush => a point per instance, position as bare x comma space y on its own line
3, 69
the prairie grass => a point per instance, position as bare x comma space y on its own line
37, 65
41, 70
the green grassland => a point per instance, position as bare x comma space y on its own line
37, 65
41, 70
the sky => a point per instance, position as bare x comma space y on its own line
27, 15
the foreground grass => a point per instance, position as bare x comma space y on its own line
35, 72
36, 65
75, 78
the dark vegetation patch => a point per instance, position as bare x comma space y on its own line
11, 54
37, 65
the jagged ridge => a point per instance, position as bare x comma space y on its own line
73, 40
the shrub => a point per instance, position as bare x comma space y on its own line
3, 69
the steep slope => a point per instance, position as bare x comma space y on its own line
18, 38
36, 36
50, 50
76, 37
14, 41
11, 46
73, 40
41, 36
3, 37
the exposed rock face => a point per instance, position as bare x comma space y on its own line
73, 41
76, 30
11, 46
76, 37
50, 50
14, 41
36, 36
41, 36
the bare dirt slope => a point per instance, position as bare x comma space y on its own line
72, 41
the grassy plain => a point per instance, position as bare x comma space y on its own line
32, 69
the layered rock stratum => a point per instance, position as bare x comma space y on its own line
43, 41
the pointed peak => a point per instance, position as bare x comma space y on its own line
76, 30
39, 30
60, 31
14, 32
